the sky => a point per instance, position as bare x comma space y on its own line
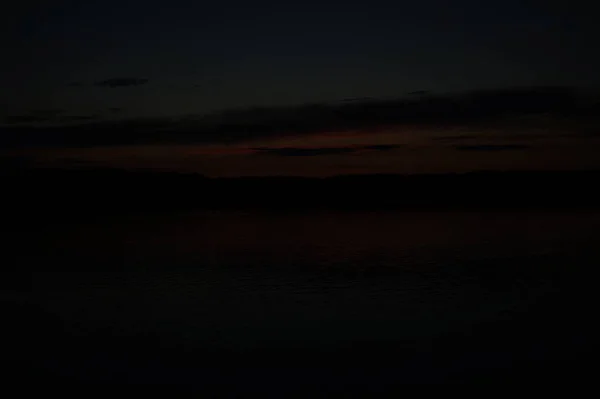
112, 60
202, 56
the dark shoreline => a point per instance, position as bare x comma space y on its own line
71, 192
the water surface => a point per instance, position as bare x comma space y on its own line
504, 286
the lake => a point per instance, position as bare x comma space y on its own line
294, 299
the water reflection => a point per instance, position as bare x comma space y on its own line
246, 281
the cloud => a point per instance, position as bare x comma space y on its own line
418, 92
45, 116
305, 152
18, 119
246, 125
121, 82
311, 152
77, 118
357, 99
47, 111
38, 115
459, 137
69, 162
381, 147
589, 132
492, 147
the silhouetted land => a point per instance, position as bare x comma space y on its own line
44, 194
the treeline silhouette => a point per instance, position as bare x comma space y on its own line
63, 194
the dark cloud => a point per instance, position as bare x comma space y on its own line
470, 110
311, 152
47, 116
459, 137
534, 136
492, 147
305, 152
40, 115
18, 119
77, 118
381, 147
115, 110
357, 99
417, 92
70, 162
121, 82
75, 84
589, 132
47, 111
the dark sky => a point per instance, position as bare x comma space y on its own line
179, 57
152, 67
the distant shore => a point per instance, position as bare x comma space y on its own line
63, 194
